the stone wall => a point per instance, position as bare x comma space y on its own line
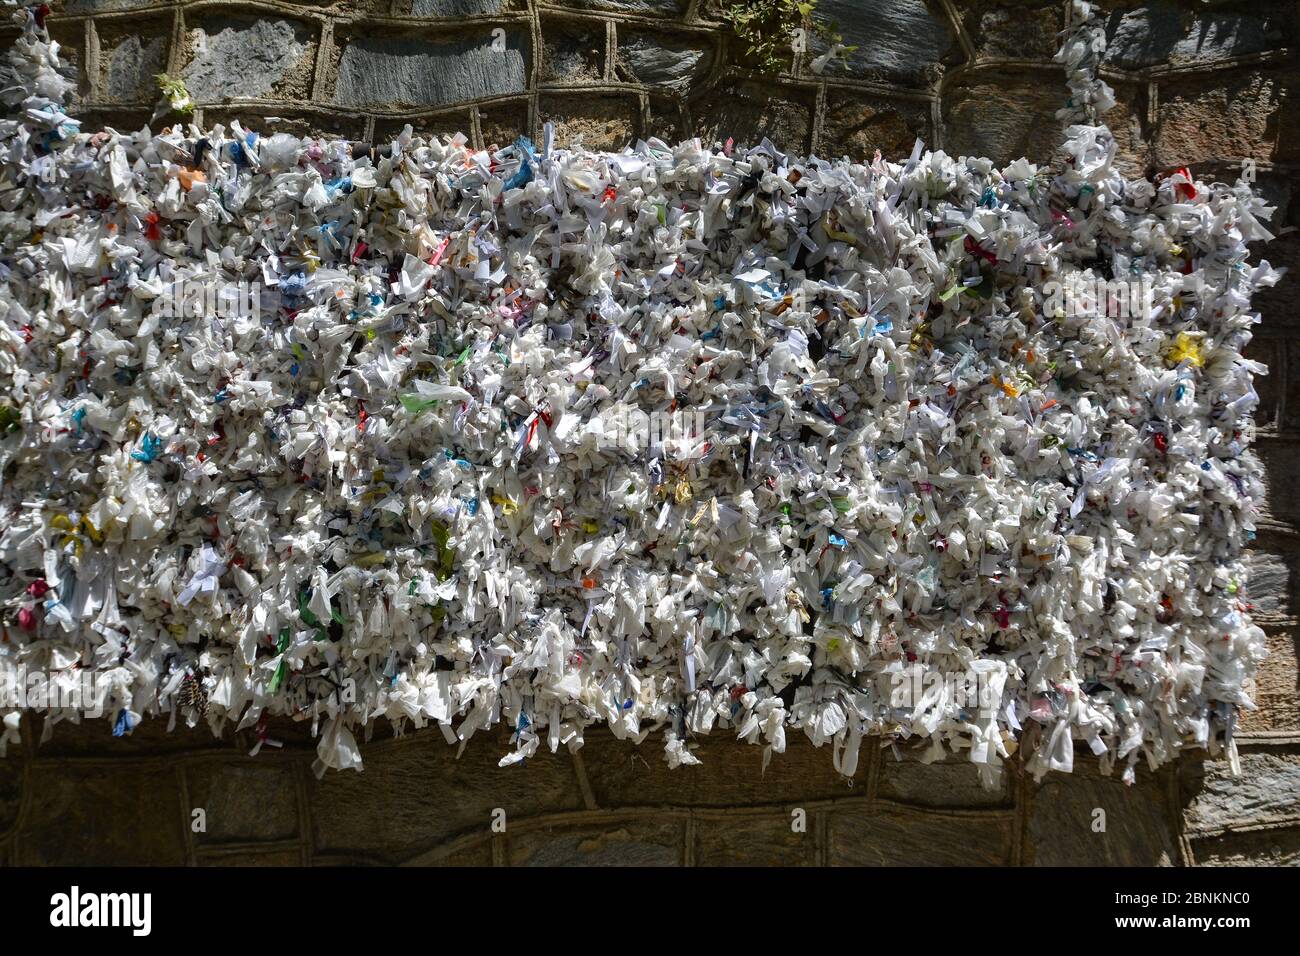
1207, 83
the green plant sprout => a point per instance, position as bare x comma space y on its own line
772, 29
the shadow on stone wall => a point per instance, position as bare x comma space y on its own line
85, 797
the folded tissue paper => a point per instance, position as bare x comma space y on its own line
682, 440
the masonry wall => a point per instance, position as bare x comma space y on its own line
1208, 84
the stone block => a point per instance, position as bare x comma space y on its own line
1226, 115
129, 67
103, 6
572, 52
857, 124
1270, 847
952, 783
896, 40
231, 57
1281, 460
658, 59
132, 51
629, 6
248, 800
597, 122
1138, 823
407, 72
1277, 686
1271, 583
102, 814
863, 836
1006, 114
1289, 350
1271, 352
1276, 305
430, 127
666, 120
729, 774
1162, 31
749, 110
627, 841
414, 794
999, 29
754, 840
978, 120
1267, 790
503, 122
454, 8
11, 790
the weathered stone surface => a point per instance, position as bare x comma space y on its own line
1210, 119
895, 39
598, 122
71, 38
414, 794
749, 111
503, 123
245, 801
413, 72
103, 814
625, 842
729, 774
1000, 29
860, 836
454, 8
978, 122
1281, 460
1161, 31
660, 60
572, 53
952, 783
1273, 847
1268, 789
103, 6
856, 125
131, 66
754, 840
1290, 349
1137, 821
629, 6
437, 125
1270, 583
1277, 305
1270, 352
1221, 116
242, 56
1277, 686
666, 120
1126, 122
11, 791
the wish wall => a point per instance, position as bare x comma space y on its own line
1172, 813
